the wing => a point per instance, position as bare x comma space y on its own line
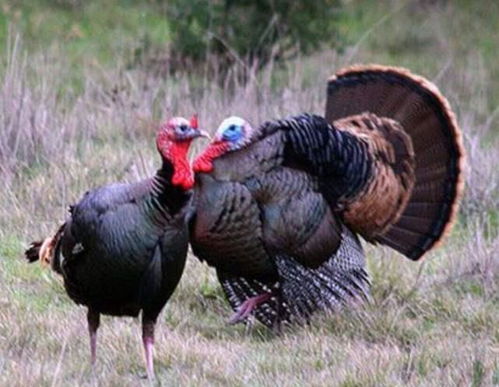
287, 206
388, 157
227, 229
165, 269
111, 235
363, 166
296, 219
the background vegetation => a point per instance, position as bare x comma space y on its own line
81, 85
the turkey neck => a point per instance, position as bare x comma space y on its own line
166, 196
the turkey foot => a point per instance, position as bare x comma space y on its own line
248, 306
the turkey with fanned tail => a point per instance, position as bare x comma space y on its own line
279, 207
123, 248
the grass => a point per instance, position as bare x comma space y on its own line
430, 323
93, 33
435, 324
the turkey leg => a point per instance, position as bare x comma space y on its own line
248, 306
148, 341
93, 319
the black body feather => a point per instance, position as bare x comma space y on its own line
124, 247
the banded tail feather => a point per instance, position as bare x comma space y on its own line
425, 115
32, 253
45, 251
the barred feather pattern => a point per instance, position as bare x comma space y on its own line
300, 291
341, 161
239, 289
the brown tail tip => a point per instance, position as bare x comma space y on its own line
32, 254
42, 251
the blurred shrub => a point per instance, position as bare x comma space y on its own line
249, 30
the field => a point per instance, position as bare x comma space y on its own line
75, 113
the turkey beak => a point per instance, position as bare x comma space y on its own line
203, 133
193, 133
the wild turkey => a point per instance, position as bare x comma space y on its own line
279, 208
123, 248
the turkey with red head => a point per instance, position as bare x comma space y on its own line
123, 248
279, 208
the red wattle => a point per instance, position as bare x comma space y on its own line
176, 153
202, 165
204, 162
185, 182
182, 175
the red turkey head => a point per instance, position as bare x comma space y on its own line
173, 141
232, 134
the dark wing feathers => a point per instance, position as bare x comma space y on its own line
364, 166
296, 220
339, 159
227, 231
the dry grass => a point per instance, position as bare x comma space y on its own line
430, 323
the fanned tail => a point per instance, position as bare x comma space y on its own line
45, 251
425, 115
299, 291
32, 254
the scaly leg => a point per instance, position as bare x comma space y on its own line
248, 306
93, 319
148, 341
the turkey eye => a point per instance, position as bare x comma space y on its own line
232, 133
182, 128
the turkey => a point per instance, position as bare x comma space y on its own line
279, 208
123, 248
